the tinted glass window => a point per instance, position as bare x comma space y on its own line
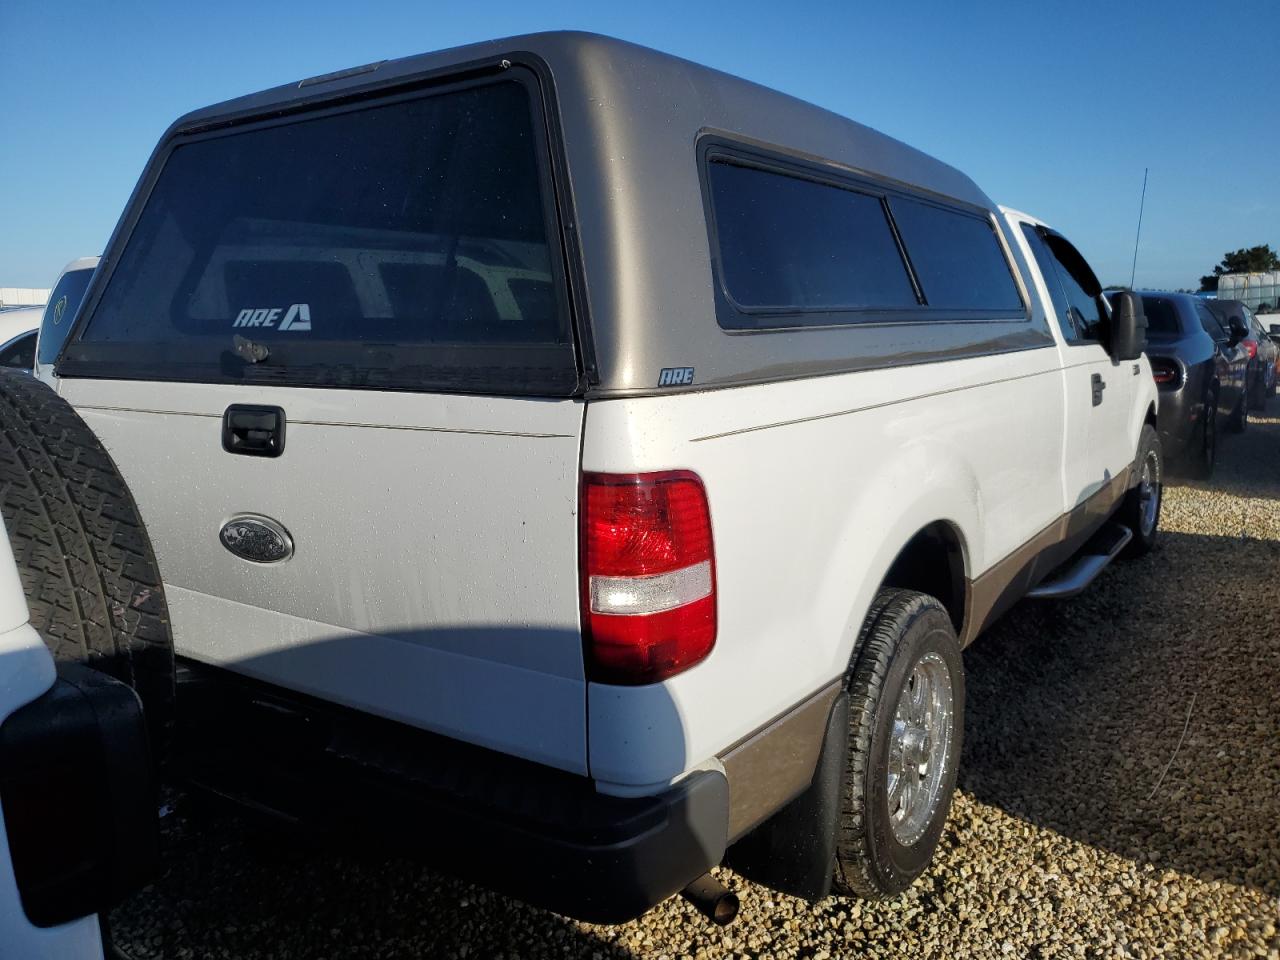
1254, 323
60, 314
1162, 315
1210, 323
957, 258
1225, 310
1049, 270
793, 245
1084, 309
402, 245
19, 352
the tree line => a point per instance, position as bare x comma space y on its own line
1246, 260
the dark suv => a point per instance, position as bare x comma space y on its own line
1200, 368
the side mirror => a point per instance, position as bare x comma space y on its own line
1128, 326
1238, 330
1274, 329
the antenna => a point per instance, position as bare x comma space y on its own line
1141, 203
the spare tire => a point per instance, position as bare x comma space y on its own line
84, 557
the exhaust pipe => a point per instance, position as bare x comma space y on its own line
713, 899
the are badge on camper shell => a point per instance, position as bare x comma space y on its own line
256, 539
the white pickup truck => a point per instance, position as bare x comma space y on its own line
578, 460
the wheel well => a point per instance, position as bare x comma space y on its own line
1151, 415
932, 562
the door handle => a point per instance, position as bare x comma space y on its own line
1098, 386
253, 431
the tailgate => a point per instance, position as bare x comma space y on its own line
433, 575
388, 274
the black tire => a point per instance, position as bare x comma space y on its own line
1239, 421
83, 555
902, 628
1134, 510
1200, 462
1258, 395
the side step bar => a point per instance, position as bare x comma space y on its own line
1074, 577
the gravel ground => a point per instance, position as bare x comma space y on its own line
1081, 828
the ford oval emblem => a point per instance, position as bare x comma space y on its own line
256, 539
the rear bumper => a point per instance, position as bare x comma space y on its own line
1179, 425
538, 834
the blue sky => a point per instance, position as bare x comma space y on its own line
1052, 106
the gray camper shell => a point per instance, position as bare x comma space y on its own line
629, 134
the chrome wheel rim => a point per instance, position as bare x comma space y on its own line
918, 748
1149, 494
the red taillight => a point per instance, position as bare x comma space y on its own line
1252, 347
1165, 372
648, 575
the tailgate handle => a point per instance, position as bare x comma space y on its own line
253, 431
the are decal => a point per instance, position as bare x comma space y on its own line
296, 318
675, 376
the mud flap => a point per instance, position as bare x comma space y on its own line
794, 851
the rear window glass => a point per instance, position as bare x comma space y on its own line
957, 258
1210, 323
404, 245
61, 312
1162, 315
798, 246
19, 352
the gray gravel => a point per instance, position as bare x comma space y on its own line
1073, 835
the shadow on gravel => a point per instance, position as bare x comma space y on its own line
1075, 709
229, 888
1248, 464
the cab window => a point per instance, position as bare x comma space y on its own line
1083, 292
1073, 287
60, 314
1210, 323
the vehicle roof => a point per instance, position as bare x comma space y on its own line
81, 263
16, 322
646, 77
1021, 215
628, 123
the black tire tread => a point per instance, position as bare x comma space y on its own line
1239, 421
84, 558
1130, 508
891, 615
1197, 466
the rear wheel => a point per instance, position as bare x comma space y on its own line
84, 558
906, 719
1258, 395
1239, 421
1140, 510
1203, 459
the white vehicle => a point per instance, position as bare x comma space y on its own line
604, 481
18, 328
59, 314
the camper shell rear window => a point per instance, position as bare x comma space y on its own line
408, 242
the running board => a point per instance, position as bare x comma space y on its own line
1084, 569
